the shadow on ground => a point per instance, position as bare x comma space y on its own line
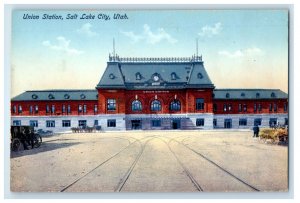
45, 146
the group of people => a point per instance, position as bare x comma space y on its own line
26, 137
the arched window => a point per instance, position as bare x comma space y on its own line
138, 76
173, 76
175, 105
136, 105
273, 95
199, 75
155, 105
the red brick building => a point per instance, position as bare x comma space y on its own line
151, 93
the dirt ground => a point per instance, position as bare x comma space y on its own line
151, 161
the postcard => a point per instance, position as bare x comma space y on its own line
149, 100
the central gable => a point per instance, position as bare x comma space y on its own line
155, 73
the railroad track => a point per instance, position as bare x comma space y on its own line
128, 173
187, 172
214, 163
126, 176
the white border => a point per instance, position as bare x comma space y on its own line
5, 90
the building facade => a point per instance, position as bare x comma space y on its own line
151, 93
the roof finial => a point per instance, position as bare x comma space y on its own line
196, 46
114, 51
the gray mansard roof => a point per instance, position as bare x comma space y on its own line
249, 94
139, 73
57, 95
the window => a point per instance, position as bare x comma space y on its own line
286, 121
173, 76
82, 123
95, 122
155, 105
199, 75
199, 104
95, 108
273, 95
156, 123
63, 109
259, 107
36, 109
215, 122
275, 107
257, 95
224, 107
270, 107
240, 107
30, 109
50, 124
245, 107
136, 105
47, 109
111, 104
175, 105
199, 122
254, 108
285, 107
34, 123
111, 123
16, 123
138, 76
227, 95
69, 109
51, 96
84, 108
242, 121
215, 107
14, 109
229, 107
257, 121
53, 109
66, 123
242, 94
20, 109
272, 122
79, 108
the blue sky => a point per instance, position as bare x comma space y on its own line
240, 48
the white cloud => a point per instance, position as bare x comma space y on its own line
235, 54
209, 31
86, 30
249, 52
62, 45
149, 36
253, 51
135, 38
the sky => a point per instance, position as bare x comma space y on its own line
240, 48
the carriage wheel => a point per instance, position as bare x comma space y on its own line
37, 141
15, 145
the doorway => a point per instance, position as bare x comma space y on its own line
136, 124
227, 123
176, 124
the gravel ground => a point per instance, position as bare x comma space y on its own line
151, 161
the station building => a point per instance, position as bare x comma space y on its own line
151, 93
